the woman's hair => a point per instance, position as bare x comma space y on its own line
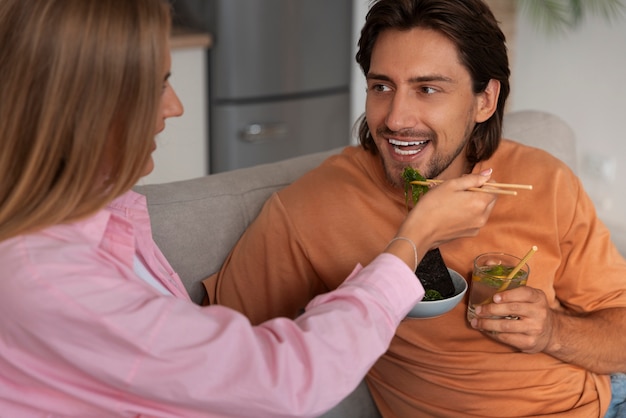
480, 43
79, 95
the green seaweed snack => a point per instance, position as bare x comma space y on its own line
432, 271
432, 294
415, 191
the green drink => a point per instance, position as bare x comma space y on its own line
490, 277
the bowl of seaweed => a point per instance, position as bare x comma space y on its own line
434, 305
444, 287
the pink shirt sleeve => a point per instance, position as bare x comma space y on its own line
113, 345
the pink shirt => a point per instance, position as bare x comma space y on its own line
82, 335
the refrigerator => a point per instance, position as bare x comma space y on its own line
279, 77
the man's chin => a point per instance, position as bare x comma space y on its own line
394, 176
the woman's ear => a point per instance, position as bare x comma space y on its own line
487, 101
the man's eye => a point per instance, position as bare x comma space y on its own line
428, 90
380, 87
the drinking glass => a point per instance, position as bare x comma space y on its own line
490, 276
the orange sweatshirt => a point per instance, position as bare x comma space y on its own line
310, 235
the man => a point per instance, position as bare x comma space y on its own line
437, 82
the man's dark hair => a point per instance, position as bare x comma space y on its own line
480, 43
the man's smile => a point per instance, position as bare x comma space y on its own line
407, 147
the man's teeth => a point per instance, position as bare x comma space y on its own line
397, 144
400, 151
405, 144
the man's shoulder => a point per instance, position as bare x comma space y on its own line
515, 154
333, 180
514, 162
338, 169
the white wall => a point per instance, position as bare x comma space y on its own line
580, 77
182, 148
357, 84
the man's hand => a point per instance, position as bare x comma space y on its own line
531, 331
594, 340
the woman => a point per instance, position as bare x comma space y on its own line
94, 321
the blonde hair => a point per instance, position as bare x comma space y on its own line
80, 82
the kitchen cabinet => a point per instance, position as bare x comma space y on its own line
182, 148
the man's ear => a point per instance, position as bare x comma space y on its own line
487, 101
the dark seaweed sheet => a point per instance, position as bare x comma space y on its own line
433, 274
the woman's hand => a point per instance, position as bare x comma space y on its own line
448, 211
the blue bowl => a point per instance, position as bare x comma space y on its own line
434, 308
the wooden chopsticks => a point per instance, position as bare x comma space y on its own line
486, 188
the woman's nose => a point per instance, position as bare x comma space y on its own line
173, 106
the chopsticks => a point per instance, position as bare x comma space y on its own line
494, 188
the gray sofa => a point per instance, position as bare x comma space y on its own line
196, 222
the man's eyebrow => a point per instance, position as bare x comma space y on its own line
374, 76
419, 79
167, 76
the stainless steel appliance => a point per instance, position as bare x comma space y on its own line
279, 77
